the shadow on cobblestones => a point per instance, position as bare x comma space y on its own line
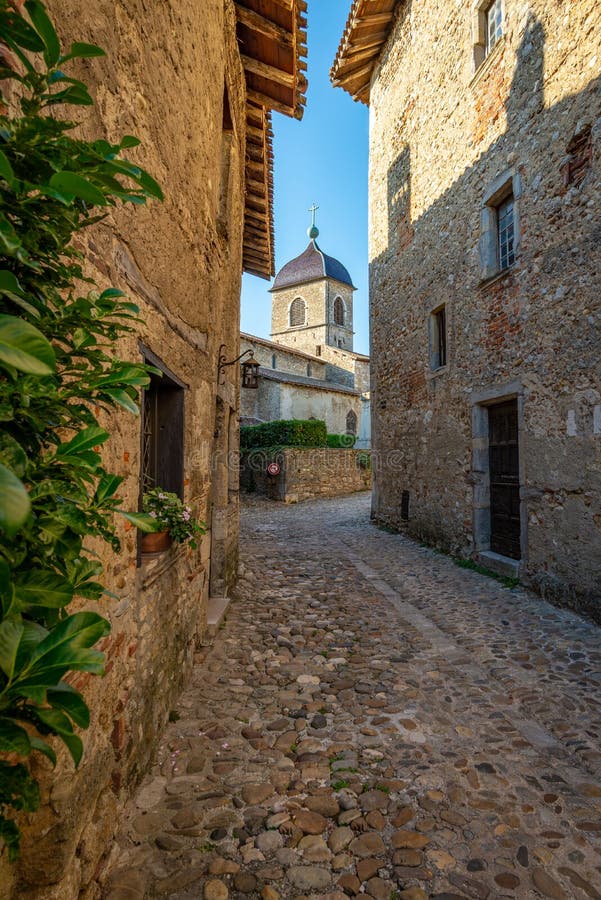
373, 719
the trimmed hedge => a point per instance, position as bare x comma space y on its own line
285, 433
342, 441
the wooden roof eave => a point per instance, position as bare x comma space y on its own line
273, 45
367, 29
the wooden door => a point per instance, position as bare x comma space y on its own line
504, 479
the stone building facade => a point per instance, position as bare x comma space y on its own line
309, 370
181, 79
485, 262
295, 385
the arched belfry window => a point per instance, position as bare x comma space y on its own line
339, 311
298, 312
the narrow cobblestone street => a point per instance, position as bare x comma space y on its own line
373, 719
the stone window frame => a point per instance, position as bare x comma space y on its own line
480, 402
274, 361
481, 49
340, 299
299, 324
436, 365
162, 432
505, 185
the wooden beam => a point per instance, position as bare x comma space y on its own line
256, 167
264, 26
375, 19
255, 132
270, 102
350, 74
271, 73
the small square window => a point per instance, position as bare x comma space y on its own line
506, 233
494, 24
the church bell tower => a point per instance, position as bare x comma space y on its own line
312, 301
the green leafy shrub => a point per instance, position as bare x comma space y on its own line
342, 441
58, 368
364, 460
285, 433
172, 515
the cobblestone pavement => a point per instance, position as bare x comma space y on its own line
374, 719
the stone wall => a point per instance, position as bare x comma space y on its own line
278, 398
306, 474
442, 135
296, 362
163, 80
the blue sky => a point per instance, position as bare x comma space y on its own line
322, 159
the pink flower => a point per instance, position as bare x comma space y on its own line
186, 516
153, 514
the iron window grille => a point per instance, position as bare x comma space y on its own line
506, 233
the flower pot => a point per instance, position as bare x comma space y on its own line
156, 542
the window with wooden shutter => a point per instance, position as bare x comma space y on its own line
163, 431
338, 311
297, 312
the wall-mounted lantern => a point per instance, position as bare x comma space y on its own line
249, 369
250, 374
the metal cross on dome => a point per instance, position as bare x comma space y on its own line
313, 209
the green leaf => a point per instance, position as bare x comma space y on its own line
15, 30
144, 522
84, 440
13, 738
14, 502
70, 701
42, 747
6, 170
128, 141
58, 723
11, 836
11, 632
150, 185
80, 50
45, 29
38, 587
75, 185
107, 487
10, 243
24, 347
17, 787
8, 283
76, 94
123, 399
12, 454
64, 648
33, 634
